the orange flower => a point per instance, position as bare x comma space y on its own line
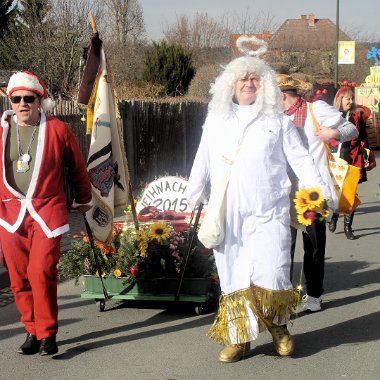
86, 239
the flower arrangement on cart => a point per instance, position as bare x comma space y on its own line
148, 260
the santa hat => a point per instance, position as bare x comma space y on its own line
25, 80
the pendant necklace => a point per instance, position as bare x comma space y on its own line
24, 158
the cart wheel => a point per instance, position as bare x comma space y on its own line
101, 305
199, 309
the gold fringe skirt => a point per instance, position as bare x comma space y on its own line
264, 304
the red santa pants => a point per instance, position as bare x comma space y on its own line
31, 258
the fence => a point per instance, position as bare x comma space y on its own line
373, 130
160, 138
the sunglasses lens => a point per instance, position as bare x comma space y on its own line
27, 99
15, 99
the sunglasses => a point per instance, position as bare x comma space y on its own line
27, 99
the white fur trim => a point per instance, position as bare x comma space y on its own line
24, 81
47, 104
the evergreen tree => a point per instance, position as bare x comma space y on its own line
169, 66
7, 14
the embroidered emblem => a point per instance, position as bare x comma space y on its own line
100, 216
102, 177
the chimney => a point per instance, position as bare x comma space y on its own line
303, 17
311, 19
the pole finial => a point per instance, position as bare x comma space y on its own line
93, 23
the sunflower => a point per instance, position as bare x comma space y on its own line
306, 218
325, 213
300, 200
314, 196
159, 231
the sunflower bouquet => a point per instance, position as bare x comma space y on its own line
311, 206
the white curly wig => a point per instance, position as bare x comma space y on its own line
268, 95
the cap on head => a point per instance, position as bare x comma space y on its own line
25, 80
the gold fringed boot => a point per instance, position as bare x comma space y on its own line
234, 352
282, 340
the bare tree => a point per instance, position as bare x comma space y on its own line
200, 32
247, 22
127, 22
71, 18
47, 37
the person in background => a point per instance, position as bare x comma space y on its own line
246, 130
352, 151
332, 126
34, 149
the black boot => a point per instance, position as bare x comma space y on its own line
332, 224
31, 345
347, 226
48, 346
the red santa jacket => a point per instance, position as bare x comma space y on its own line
45, 199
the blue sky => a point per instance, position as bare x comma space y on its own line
353, 14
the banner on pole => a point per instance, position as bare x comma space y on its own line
346, 52
106, 163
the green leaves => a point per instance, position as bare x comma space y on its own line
170, 66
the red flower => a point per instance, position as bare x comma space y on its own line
310, 215
134, 271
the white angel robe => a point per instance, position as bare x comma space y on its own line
256, 248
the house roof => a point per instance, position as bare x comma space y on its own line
306, 33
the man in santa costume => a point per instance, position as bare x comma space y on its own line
34, 148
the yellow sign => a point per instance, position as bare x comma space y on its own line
368, 96
346, 52
372, 79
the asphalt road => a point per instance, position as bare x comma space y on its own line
153, 341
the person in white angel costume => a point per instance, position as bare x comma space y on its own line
247, 131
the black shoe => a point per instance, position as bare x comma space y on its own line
48, 346
31, 345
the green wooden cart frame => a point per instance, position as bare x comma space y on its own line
195, 290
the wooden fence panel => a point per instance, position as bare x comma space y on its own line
161, 138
